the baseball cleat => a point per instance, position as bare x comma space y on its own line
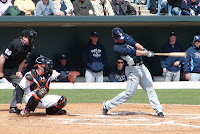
160, 114
12, 110
24, 112
62, 112
104, 109
18, 111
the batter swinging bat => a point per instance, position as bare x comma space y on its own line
172, 54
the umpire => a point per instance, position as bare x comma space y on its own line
12, 60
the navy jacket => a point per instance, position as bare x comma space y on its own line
192, 60
186, 4
167, 62
117, 75
127, 50
94, 57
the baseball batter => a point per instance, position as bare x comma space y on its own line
35, 84
136, 72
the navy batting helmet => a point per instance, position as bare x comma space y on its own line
196, 38
118, 34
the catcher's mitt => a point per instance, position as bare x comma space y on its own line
72, 76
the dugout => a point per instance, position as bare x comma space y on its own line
69, 35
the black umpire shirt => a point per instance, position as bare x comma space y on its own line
15, 53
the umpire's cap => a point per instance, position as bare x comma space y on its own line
29, 33
118, 34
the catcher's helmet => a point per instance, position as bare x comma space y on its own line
118, 34
45, 60
31, 34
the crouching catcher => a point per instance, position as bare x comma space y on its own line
35, 85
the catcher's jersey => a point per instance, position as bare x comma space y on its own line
26, 84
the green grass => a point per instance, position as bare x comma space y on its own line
166, 96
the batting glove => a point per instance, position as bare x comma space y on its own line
149, 54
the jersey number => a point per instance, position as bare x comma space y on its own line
8, 52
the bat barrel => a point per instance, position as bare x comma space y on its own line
172, 54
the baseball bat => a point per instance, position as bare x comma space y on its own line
172, 54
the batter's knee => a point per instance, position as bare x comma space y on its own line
129, 94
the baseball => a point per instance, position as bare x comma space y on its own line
91, 12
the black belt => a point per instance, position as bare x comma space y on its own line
195, 72
138, 64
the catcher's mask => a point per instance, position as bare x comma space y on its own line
45, 60
31, 34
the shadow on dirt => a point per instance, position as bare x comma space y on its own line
114, 113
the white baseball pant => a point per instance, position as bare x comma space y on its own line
172, 76
93, 77
194, 77
46, 102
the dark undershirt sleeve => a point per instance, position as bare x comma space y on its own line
63, 76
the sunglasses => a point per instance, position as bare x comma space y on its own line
120, 62
197, 41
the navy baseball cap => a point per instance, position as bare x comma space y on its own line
118, 34
196, 38
94, 34
62, 56
172, 34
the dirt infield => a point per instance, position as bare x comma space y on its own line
87, 119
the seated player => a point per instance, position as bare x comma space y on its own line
35, 84
64, 66
117, 73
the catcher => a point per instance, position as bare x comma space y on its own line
35, 84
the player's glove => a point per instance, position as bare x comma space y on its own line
149, 54
72, 76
